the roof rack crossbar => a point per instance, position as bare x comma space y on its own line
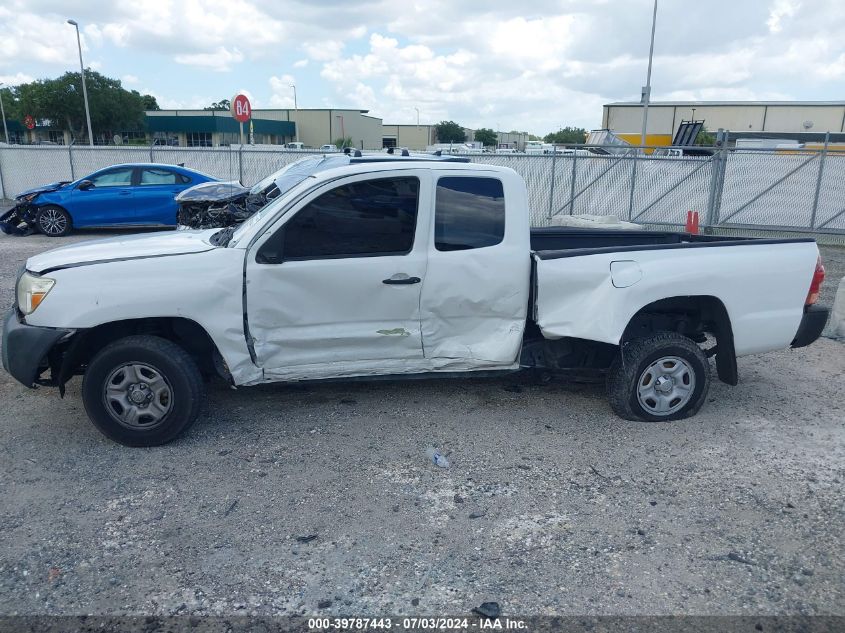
405, 159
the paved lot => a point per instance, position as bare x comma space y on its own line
551, 504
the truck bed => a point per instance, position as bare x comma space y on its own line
589, 283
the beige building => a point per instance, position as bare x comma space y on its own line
313, 127
418, 137
799, 120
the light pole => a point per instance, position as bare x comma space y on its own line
84, 89
647, 89
3, 115
418, 117
296, 128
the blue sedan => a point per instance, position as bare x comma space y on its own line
118, 196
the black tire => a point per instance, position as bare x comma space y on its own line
53, 221
627, 377
177, 403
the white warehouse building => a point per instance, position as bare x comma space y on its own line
803, 121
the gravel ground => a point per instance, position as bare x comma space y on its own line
551, 505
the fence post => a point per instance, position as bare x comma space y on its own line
2, 184
152, 142
633, 186
70, 160
572, 185
552, 185
819, 180
717, 180
241, 163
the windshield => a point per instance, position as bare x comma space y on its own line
285, 180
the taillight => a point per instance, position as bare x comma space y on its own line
816, 284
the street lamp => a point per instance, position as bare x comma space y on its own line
3, 115
84, 89
418, 117
297, 110
647, 88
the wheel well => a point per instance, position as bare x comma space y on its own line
40, 207
188, 334
693, 317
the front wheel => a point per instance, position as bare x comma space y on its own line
142, 391
53, 221
662, 377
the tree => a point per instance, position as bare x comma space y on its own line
567, 136
486, 136
342, 142
223, 104
60, 101
450, 132
149, 102
704, 137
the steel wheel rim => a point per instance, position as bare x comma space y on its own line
137, 396
52, 221
666, 386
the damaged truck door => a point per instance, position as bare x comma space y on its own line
468, 322
335, 284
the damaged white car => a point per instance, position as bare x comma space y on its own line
397, 266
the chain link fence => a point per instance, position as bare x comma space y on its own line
794, 191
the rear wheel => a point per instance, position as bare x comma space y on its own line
142, 391
53, 221
662, 377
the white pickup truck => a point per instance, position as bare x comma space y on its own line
396, 266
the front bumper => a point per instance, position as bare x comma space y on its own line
812, 323
25, 347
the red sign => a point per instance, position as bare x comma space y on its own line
241, 109
29, 121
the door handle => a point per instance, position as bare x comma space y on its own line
124, 193
396, 280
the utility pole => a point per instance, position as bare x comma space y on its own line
646, 96
418, 117
84, 89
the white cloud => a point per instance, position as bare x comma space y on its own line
220, 60
322, 51
780, 10
130, 80
282, 93
533, 66
16, 79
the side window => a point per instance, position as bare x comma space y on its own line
152, 176
469, 212
372, 217
113, 178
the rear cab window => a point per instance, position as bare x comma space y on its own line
469, 212
152, 176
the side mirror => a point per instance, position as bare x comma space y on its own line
85, 185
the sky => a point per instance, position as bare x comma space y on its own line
532, 66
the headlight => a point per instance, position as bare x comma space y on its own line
32, 290
27, 198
